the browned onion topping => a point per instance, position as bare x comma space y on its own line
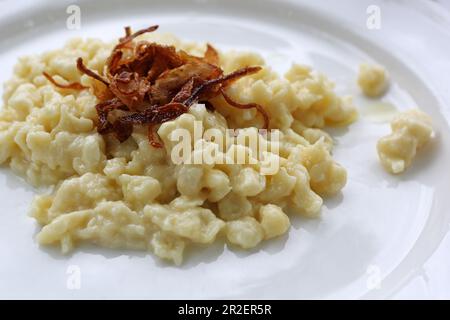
147, 83
72, 86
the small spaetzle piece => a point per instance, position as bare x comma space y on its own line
411, 130
373, 80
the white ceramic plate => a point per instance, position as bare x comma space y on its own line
380, 237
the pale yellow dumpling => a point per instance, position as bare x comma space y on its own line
411, 130
373, 80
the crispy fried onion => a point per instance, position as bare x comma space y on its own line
72, 85
148, 84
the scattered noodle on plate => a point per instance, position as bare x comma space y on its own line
411, 130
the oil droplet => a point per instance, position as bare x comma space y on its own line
379, 112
